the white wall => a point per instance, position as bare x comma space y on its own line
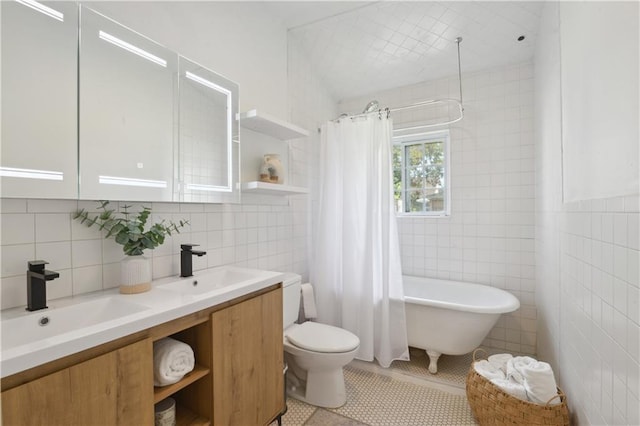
600, 111
240, 40
587, 252
489, 237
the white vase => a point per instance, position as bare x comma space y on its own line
272, 170
135, 274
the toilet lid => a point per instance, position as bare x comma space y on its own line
318, 337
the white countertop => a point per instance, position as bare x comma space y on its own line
26, 344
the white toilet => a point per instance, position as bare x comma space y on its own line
315, 353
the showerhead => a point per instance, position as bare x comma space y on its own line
371, 106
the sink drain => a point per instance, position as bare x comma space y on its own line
43, 321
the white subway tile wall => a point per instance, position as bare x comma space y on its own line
489, 236
87, 262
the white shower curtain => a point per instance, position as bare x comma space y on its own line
356, 266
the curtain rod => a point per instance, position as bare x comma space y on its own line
388, 111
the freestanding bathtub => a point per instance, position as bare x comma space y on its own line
451, 317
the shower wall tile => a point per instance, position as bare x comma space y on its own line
489, 237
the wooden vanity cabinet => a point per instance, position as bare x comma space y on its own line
248, 383
237, 380
112, 389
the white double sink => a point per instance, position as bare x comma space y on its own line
77, 323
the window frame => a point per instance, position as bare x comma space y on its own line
443, 136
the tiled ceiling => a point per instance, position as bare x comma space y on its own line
359, 48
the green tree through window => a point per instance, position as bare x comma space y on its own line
420, 173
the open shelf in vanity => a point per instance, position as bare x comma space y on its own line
193, 393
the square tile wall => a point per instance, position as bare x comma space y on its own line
250, 235
310, 105
489, 236
599, 317
587, 267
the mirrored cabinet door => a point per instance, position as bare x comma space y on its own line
39, 99
127, 87
207, 160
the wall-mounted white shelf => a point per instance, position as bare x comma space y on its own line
264, 123
257, 187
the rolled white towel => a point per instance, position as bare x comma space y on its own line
515, 364
500, 361
308, 302
539, 382
488, 370
172, 359
512, 388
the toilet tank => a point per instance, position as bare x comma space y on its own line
290, 298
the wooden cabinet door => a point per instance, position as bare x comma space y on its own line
113, 389
248, 386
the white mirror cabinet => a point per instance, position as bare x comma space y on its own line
94, 110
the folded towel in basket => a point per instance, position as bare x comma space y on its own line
488, 370
172, 359
515, 364
539, 382
500, 361
512, 388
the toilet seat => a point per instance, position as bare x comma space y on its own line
317, 337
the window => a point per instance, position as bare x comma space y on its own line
421, 174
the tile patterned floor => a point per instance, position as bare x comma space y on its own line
405, 394
452, 370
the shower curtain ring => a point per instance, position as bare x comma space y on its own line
388, 112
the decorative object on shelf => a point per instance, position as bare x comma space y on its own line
165, 412
272, 170
129, 231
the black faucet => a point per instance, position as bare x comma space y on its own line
37, 276
186, 265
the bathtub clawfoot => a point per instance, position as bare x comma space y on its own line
433, 361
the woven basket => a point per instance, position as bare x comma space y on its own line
492, 406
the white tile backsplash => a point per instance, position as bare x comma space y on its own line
89, 262
52, 227
86, 253
17, 228
56, 253
87, 279
15, 257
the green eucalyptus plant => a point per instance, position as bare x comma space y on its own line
128, 229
